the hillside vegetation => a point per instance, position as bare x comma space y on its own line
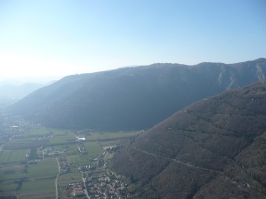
215, 148
132, 98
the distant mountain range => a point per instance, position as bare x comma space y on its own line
18, 87
18, 91
215, 148
132, 98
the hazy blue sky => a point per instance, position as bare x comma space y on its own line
61, 37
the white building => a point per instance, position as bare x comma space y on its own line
80, 138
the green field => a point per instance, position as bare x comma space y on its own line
44, 131
13, 176
6, 186
21, 140
69, 177
37, 132
12, 156
62, 139
66, 147
22, 143
93, 147
59, 131
12, 172
109, 135
4, 156
46, 168
82, 160
38, 189
18, 155
38, 180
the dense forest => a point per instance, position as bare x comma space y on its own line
215, 148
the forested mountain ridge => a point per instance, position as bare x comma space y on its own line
215, 148
132, 98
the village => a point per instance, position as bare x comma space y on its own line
33, 145
98, 182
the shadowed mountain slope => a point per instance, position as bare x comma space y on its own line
215, 148
132, 98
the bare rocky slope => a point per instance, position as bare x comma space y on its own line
214, 148
132, 98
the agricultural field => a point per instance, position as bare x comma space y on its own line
93, 147
37, 189
61, 139
12, 172
4, 156
28, 161
8, 186
60, 131
10, 178
29, 180
81, 160
18, 141
66, 178
45, 131
67, 147
46, 168
109, 135
22, 143
13, 156
37, 132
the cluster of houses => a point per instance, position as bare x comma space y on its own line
82, 149
101, 186
64, 166
50, 152
78, 189
98, 181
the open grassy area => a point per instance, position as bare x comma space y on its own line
93, 147
60, 131
81, 160
13, 176
66, 147
69, 178
23, 143
18, 155
12, 156
43, 169
109, 135
38, 178
37, 132
7, 186
14, 168
38, 189
12, 172
4, 156
44, 131
62, 139
21, 140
